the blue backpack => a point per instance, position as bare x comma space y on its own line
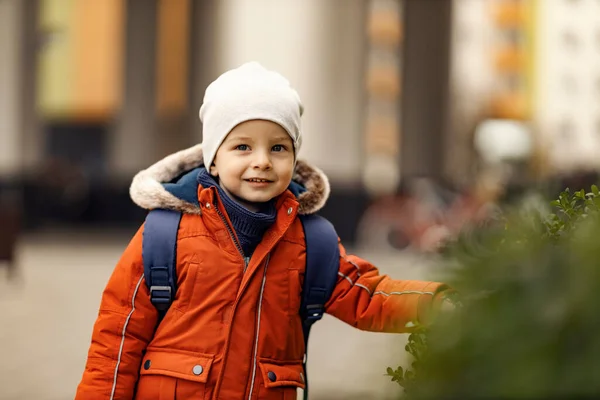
159, 247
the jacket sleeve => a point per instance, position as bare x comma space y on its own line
373, 302
125, 324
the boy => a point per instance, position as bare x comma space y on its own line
233, 330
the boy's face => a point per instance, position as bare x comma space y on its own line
255, 162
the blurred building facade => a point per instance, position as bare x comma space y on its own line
92, 92
567, 94
95, 91
533, 61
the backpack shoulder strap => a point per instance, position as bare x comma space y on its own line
322, 264
159, 249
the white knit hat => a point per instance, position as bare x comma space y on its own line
247, 93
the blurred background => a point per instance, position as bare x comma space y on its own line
427, 115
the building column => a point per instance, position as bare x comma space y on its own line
203, 65
425, 82
133, 140
11, 77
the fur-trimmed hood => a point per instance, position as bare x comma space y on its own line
149, 188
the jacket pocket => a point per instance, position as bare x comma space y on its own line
173, 374
186, 282
280, 379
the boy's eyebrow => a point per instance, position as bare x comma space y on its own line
240, 138
248, 138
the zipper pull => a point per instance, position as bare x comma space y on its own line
246, 262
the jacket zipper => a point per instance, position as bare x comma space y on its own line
260, 299
235, 241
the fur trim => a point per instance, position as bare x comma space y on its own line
148, 192
317, 187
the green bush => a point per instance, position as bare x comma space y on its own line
528, 323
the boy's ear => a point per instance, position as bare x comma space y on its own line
213, 170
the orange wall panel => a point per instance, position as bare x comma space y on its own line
98, 50
172, 57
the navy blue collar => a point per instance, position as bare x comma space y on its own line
249, 226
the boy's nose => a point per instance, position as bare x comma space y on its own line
262, 161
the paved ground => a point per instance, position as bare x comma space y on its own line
46, 322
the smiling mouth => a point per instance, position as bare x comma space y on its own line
255, 180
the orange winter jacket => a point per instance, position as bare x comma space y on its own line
232, 332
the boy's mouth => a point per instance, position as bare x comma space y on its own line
257, 180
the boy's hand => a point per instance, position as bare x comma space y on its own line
447, 306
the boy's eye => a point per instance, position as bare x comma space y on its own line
242, 147
278, 147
